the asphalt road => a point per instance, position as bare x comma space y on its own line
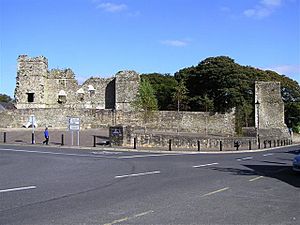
40, 185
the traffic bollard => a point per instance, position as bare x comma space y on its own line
4, 137
134, 143
32, 138
62, 140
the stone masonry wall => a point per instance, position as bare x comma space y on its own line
167, 121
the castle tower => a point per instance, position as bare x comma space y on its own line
269, 109
127, 86
30, 82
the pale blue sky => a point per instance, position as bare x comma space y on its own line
102, 37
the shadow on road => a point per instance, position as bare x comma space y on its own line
295, 152
279, 172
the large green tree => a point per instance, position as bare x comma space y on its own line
229, 85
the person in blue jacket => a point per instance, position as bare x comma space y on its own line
46, 135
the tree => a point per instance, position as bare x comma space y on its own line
145, 101
230, 85
5, 98
180, 95
205, 103
164, 86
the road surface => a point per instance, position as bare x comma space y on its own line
46, 185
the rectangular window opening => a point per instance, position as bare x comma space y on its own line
30, 97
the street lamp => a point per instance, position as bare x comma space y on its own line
257, 104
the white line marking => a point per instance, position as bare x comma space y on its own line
150, 155
106, 153
17, 189
256, 178
95, 155
210, 164
129, 218
214, 192
245, 158
268, 154
137, 174
54, 153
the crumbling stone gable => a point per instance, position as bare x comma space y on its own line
269, 105
127, 85
269, 110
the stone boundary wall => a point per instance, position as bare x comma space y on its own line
189, 142
167, 121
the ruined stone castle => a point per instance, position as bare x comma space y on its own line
55, 95
40, 88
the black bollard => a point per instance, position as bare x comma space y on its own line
265, 144
170, 145
250, 145
198, 143
94, 141
274, 143
4, 137
270, 144
134, 143
258, 144
62, 140
221, 145
32, 138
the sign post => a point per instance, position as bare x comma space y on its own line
74, 125
32, 121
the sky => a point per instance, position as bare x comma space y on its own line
102, 37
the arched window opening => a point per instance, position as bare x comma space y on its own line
62, 97
80, 94
91, 90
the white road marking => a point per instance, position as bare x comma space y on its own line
214, 192
256, 178
210, 164
268, 154
106, 153
245, 158
17, 189
54, 153
137, 174
96, 155
129, 218
152, 155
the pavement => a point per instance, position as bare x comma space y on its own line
42, 185
24, 136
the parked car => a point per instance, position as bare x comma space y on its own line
296, 163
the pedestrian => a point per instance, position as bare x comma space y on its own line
46, 135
